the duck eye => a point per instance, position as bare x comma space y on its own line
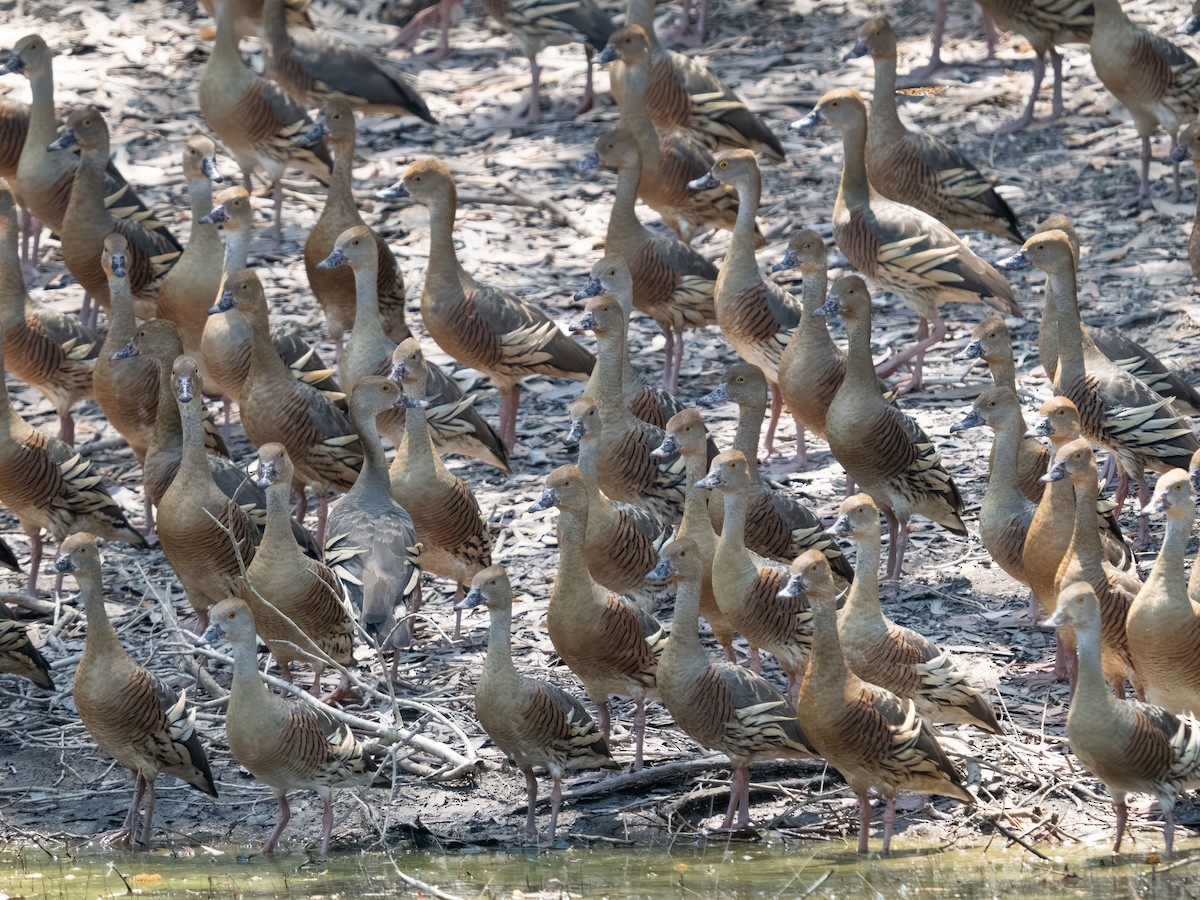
687, 428
723, 164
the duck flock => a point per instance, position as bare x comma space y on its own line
679, 566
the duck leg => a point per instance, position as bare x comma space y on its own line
322, 515
1039, 72
66, 428
285, 815
800, 460
754, 661
589, 96
88, 311
409, 33
326, 826
35, 561
459, 593
555, 804
1143, 195
277, 225
990, 33
735, 796
1122, 811
124, 835
901, 547
935, 54
864, 821
776, 409
510, 400
1058, 109
148, 823
1168, 825
925, 340
531, 804
889, 820
639, 734
533, 116
893, 539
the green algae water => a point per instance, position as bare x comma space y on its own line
717, 870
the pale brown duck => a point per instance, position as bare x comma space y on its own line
672, 283
88, 221
134, 716
482, 326
721, 706
533, 722
683, 94
915, 167
898, 246
874, 738
52, 352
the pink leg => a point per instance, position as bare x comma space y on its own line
285, 815
148, 512
743, 801
458, 595
1057, 109
1145, 495
510, 401
1039, 72
277, 226
735, 794
755, 660
1144, 188
605, 721
677, 360
800, 460
66, 429
935, 54
589, 97
669, 384
990, 34
901, 547
776, 409
35, 562
639, 734
202, 620
148, 824
889, 820
534, 114
531, 802
730, 656
864, 821
893, 540
89, 311
326, 826
1168, 827
1122, 817
916, 350
315, 688
555, 805
322, 515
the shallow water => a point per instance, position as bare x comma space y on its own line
718, 870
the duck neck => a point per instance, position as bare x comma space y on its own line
366, 298
278, 542
588, 461
884, 116
43, 126
373, 476
122, 322
749, 427
624, 223
862, 601
168, 430
200, 196
733, 530
634, 117
1003, 480
685, 629
101, 640
740, 263
498, 665
193, 466
340, 196
1166, 577
1085, 540
264, 361
443, 259
695, 500
237, 243
274, 24
610, 379
854, 190
12, 283
1003, 370
826, 665
1070, 330
416, 430
572, 531
1091, 690
248, 688
641, 12
860, 368
87, 190
225, 45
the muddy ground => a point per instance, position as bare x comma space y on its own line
530, 224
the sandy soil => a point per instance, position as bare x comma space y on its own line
530, 224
